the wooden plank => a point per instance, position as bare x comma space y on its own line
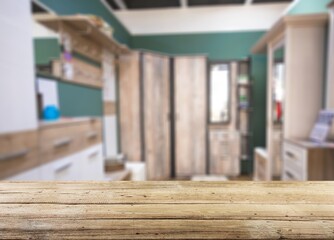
156, 81
168, 192
88, 210
190, 107
129, 95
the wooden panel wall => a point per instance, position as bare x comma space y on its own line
191, 115
129, 95
156, 97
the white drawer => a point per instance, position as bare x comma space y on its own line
294, 155
295, 162
64, 169
291, 175
92, 164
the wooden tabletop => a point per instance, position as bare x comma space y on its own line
167, 210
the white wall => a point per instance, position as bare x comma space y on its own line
201, 19
17, 81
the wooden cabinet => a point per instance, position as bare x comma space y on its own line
59, 140
224, 153
160, 111
302, 41
156, 114
63, 150
130, 107
190, 79
18, 153
306, 161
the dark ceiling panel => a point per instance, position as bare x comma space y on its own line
271, 1
112, 4
144, 4
37, 8
213, 2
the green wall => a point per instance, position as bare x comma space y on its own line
95, 7
310, 6
76, 100
46, 50
218, 46
258, 119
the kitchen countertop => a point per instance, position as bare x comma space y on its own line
167, 210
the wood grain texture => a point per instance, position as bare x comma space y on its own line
62, 139
18, 152
109, 108
129, 95
167, 210
156, 82
191, 115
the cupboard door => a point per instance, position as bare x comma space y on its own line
156, 92
191, 110
129, 94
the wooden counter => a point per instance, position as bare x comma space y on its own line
167, 210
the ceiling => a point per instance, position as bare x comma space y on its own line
149, 17
121, 5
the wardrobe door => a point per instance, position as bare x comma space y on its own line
190, 81
156, 101
129, 97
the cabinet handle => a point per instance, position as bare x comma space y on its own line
290, 155
92, 135
94, 154
290, 175
63, 167
62, 142
20, 153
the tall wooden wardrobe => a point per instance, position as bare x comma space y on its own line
163, 111
302, 37
190, 96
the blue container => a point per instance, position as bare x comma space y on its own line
51, 112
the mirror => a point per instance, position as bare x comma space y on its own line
278, 86
219, 92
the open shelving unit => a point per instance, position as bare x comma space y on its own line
244, 109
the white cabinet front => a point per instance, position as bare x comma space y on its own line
64, 169
92, 164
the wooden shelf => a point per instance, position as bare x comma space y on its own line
48, 75
82, 24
